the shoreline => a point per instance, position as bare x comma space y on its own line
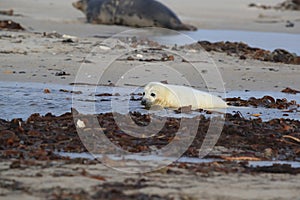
48, 53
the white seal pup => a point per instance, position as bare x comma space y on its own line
175, 96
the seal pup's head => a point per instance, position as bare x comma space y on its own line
150, 95
156, 94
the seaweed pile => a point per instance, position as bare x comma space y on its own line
39, 137
244, 51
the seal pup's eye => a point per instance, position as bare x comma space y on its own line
153, 95
143, 93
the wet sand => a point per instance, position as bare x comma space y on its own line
74, 180
32, 171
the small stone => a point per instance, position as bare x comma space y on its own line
80, 124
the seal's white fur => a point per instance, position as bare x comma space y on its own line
175, 96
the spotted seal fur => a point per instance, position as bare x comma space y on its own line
135, 13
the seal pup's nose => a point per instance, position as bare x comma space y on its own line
143, 102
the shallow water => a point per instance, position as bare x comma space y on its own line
293, 164
264, 40
20, 100
266, 113
133, 157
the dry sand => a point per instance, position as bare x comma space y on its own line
40, 58
33, 58
29, 56
77, 181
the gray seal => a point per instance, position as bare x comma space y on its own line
135, 13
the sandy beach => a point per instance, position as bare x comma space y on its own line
60, 16
22, 48
58, 47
